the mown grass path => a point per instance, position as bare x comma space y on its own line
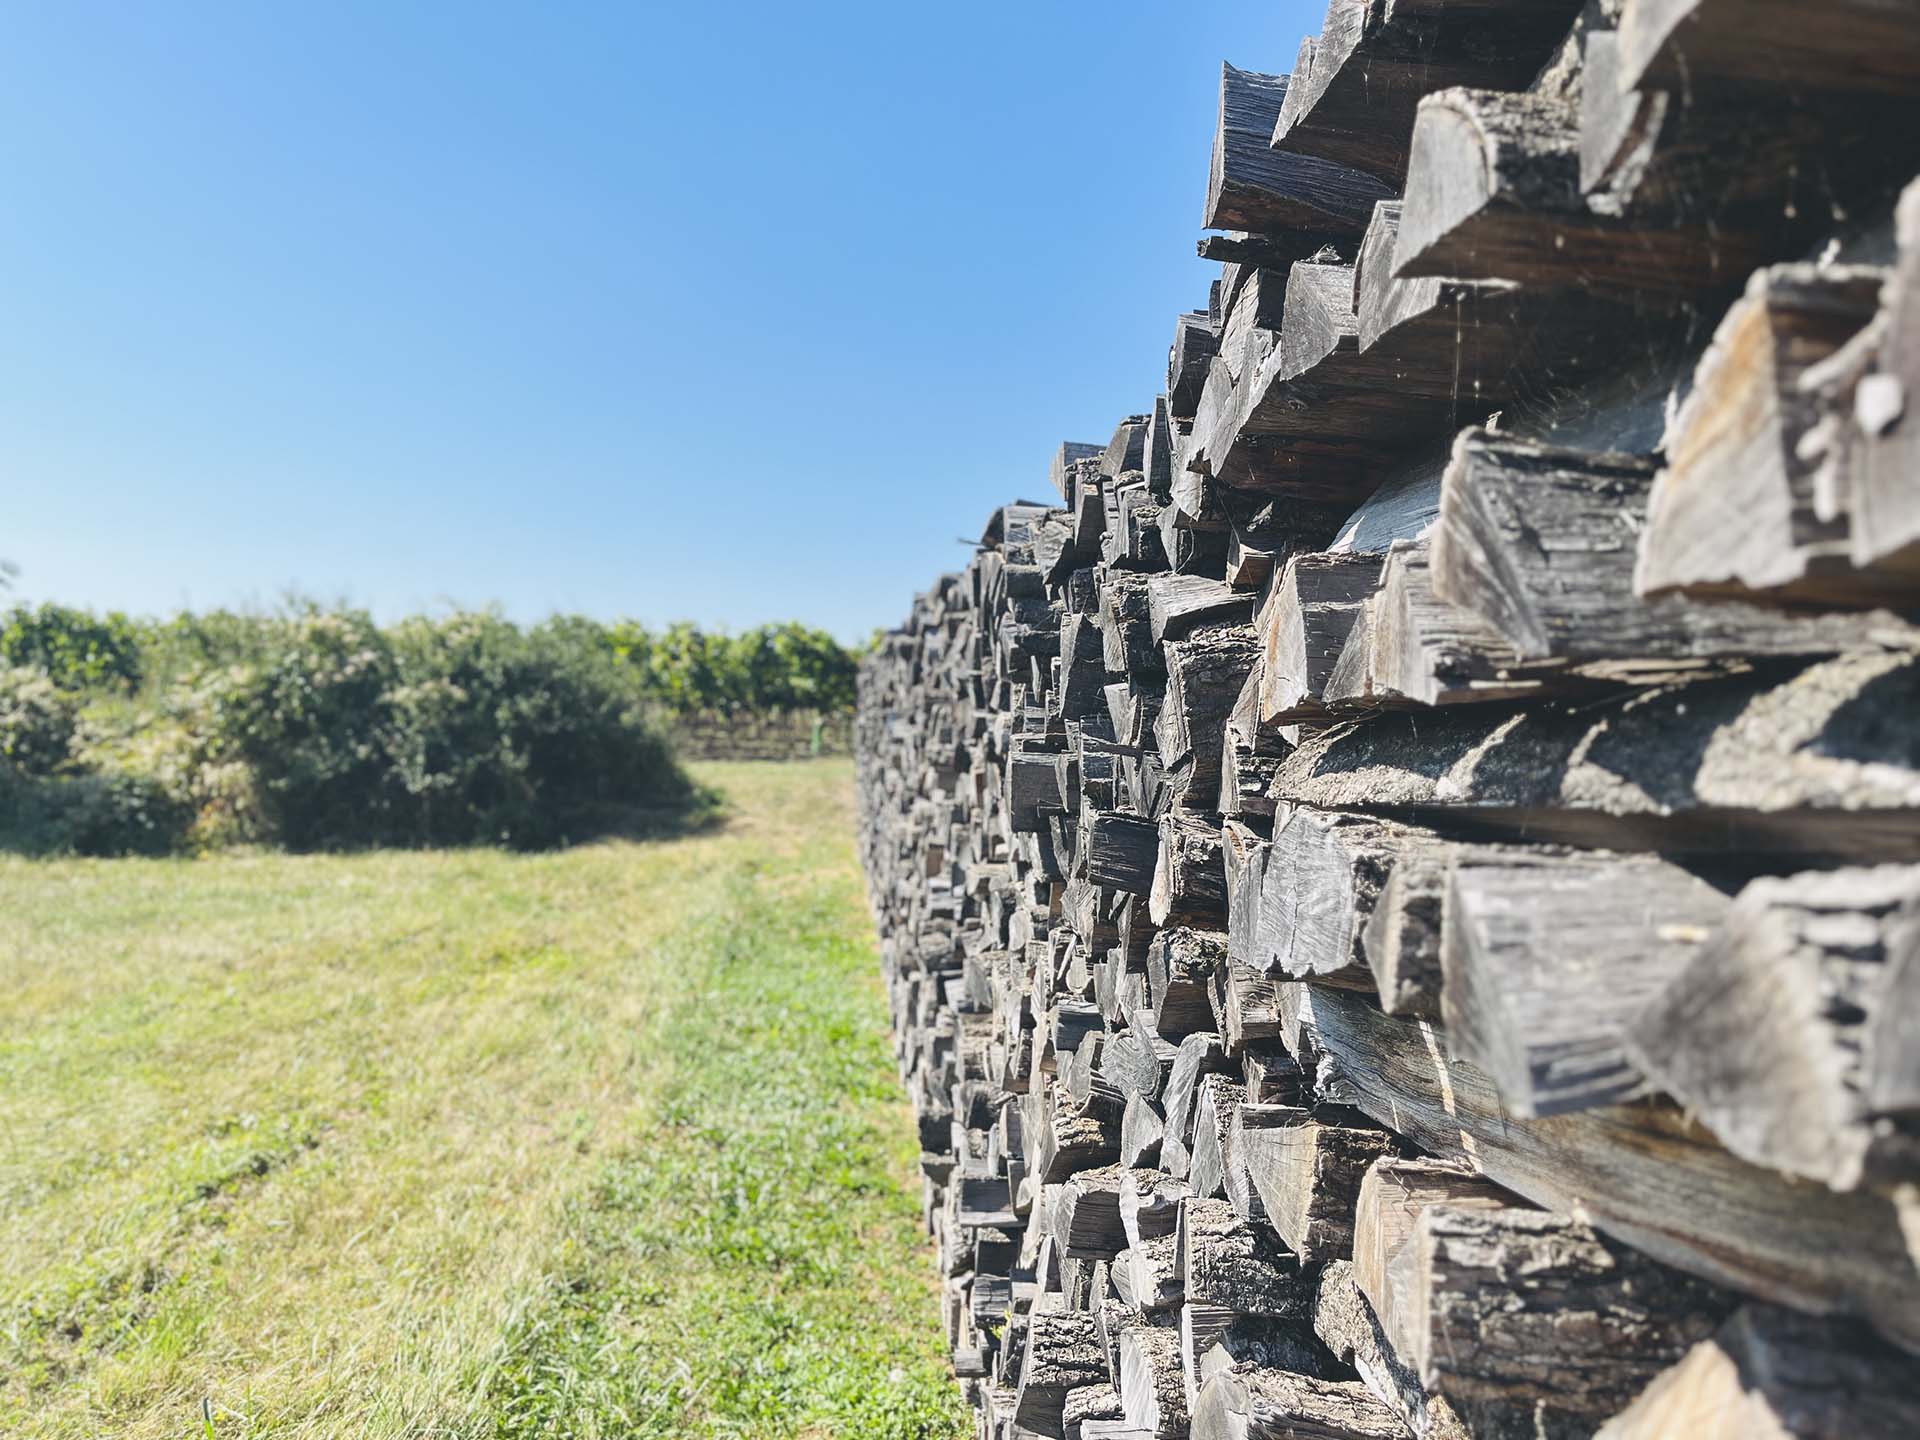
603, 1142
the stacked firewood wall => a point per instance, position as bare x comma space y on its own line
1399, 884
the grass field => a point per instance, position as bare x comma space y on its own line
603, 1142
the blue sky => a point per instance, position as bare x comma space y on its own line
728, 312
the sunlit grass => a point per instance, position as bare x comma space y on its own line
599, 1142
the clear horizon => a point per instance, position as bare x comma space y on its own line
732, 317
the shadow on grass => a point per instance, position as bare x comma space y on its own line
104, 815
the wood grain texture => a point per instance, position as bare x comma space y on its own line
1358, 83
1791, 1031
1641, 1173
1817, 763
1251, 186
1547, 964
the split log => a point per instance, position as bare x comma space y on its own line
1249, 1403
1641, 1173
1205, 673
1392, 1196
1540, 542
1180, 603
1189, 878
1323, 874
1213, 1340
1150, 1205
1308, 1177
1859, 47
1734, 511
1229, 1264
1493, 192
1347, 1324
1060, 468
1199, 1055
1881, 499
1410, 647
1179, 963
1818, 764
1522, 1307
1141, 1131
1251, 186
1775, 1374
1086, 1215
1219, 1096
1194, 346
1304, 624
1548, 964
1794, 1031
1063, 1353
1352, 99
1152, 1390
1120, 851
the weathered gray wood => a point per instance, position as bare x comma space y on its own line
1253, 325
1541, 543
1790, 1032
1218, 1097
1248, 1114
1353, 97
1180, 962
1772, 1374
1391, 1197
1818, 764
1641, 1173
1119, 850
1493, 193
1409, 647
1086, 1214
1159, 458
1305, 622
1213, 1340
1345, 1321
1881, 499
1151, 1274
1323, 874
1859, 47
1230, 1264
1063, 1353
1204, 675
1189, 880
1089, 1403
1734, 512
1251, 186
1249, 1403
1126, 451
1152, 1388
1194, 346
1178, 604
1200, 1054
1141, 1131
1150, 1205
1062, 1142
1548, 964
1403, 508
1250, 754
1523, 1306
1308, 1177
1061, 465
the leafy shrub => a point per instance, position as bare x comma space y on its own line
455, 731
36, 721
77, 649
315, 727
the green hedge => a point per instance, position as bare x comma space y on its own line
318, 728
